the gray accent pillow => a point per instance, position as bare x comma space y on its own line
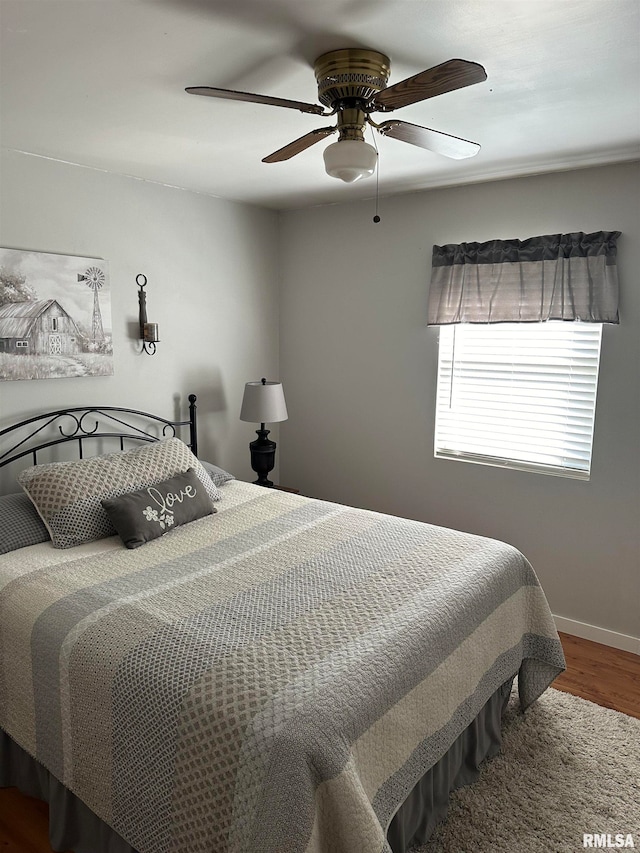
20, 524
153, 511
218, 475
68, 495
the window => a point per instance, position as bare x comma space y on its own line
22, 344
519, 395
54, 324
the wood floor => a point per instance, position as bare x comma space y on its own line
599, 673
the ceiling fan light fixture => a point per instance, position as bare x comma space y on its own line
350, 159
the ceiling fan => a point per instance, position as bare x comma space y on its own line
352, 84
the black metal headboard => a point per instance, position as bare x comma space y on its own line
87, 423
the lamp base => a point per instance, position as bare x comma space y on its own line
263, 457
267, 483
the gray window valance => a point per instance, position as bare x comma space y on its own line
555, 277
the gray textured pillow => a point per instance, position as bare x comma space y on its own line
20, 524
68, 495
218, 475
153, 511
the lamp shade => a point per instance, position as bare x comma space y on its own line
350, 160
263, 402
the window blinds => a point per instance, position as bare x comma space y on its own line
519, 395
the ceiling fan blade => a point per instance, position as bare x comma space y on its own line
231, 95
432, 140
446, 77
299, 145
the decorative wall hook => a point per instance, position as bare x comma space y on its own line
148, 331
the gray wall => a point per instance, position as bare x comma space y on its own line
359, 367
212, 270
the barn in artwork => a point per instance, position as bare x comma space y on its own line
40, 327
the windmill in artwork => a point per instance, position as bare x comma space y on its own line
94, 279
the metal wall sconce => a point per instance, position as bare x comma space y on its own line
148, 331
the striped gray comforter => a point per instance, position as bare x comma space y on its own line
274, 678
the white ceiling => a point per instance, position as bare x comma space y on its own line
101, 83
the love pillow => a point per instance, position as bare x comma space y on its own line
153, 511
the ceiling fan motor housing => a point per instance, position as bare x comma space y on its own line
347, 80
351, 73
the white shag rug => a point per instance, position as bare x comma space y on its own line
567, 767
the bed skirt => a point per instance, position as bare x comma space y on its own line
428, 802
73, 826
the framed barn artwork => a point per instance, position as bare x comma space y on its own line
55, 316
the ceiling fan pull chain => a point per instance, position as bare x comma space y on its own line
376, 218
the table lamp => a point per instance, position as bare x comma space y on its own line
263, 402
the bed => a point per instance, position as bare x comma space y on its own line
274, 674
